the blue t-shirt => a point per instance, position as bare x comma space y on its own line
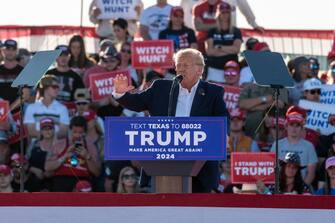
321, 191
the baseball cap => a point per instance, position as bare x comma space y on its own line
83, 186
177, 11
231, 68
281, 122
110, 51
16, 157
292, 158
295, 115
260, 46
4, 170
330, 162
312, 83
10, 43
82, 95
251, 42
237, 113
64, 48
47, 122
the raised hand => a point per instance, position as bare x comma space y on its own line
121, 85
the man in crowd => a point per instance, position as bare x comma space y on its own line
9, 70
192, 97
6, 177
47, 106
295, 143
232, 73
155, 19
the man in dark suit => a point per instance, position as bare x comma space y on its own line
191, 97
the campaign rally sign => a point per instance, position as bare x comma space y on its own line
317, 116
152, 53
4, 109
114, 9
165, 138
13, 138
102, 83
231, 96
252, 167
327, 94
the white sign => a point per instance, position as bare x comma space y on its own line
317, 117
114, 9
328, 94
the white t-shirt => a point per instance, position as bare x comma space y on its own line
156, 19
246, 76
37, 111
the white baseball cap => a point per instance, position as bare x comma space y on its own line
312, 83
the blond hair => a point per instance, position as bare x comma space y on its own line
196, 55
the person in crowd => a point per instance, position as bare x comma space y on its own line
238, 141
267, 136
79, 62
68, 80
6, 177
9, 70
110, 61
74, 158
290, 179
329, 184
15, 164
192, 93
23, 57
294, 142
315, 66
312, 89
7, 128
40, 179
47, 106
182, 36
301, 71
128, 181
125, 54
121, 33
155, 19
95, 125
104, 27
256, 100
223, 43
231, 72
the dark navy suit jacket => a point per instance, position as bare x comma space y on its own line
208, 101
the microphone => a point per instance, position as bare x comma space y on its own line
179, 78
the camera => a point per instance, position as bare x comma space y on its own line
78, 144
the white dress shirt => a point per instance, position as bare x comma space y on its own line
185, 100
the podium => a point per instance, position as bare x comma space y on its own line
170, 176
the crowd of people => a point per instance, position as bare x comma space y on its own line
64, 131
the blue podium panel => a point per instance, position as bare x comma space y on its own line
165, 138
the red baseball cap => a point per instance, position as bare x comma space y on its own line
4, 170
238, 113
231, 68
177, 11
223, 7
47, 122
83, 186
16, 157
89, 115
260, 46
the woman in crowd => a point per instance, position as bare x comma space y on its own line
122, 35
128, 181
79, 61
329, 185
40, 148
223, 43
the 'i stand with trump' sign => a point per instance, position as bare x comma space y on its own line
252, 167
152, 54
165, 138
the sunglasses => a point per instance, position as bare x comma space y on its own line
314, 66
125, 51
315, 91
109, 60
129, 176
81, 103
230, 73
54, 86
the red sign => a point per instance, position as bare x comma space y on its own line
102, 83
4, 109
152, 54
16, 137
252, 167
231, 96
